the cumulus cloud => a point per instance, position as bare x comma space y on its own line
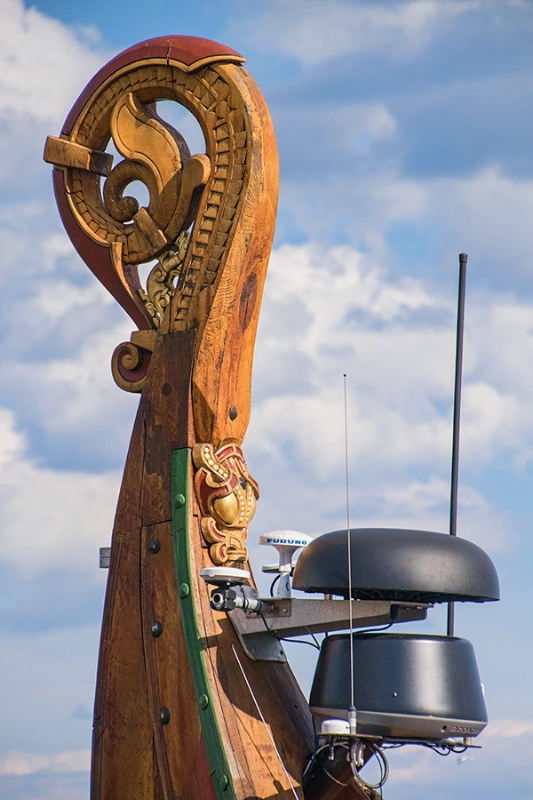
510, 728
16, 762
42, 90
414, 225
488, 211
315, 33
36, 94
503, 741
330, 312
49, 519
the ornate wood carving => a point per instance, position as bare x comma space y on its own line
214, 285
175, 715
227, 494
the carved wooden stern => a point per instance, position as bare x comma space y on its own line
181, 711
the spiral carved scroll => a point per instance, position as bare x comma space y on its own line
123, 111
208, 225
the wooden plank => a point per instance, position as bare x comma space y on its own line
180, 710
63, 153
268, 754
122, 755
142, 676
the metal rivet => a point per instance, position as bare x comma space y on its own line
164, 716
157, 629
154, 546
223, 782
395, 694
179, 500
203, 701
184, 590
166, 389
233, 412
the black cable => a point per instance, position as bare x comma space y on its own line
383, 767
375, 630
314, 644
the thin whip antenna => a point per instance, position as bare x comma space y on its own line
263, 720
351, 716
463, 258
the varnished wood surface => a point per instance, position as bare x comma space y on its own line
228, 310
231, 192
135, 756
192, 361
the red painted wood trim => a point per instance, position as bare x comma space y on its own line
96, 256
202, 774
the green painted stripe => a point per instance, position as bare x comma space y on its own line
222, 780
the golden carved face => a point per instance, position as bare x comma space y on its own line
227, 495
235, 509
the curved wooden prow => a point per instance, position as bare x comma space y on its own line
181, 711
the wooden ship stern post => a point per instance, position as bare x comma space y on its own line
177, 700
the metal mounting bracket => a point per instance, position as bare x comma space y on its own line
282, 618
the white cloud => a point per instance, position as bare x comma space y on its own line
55, 246
489, 213
50, 519
425, 505
486, 214
326, 312
494, 420
350, 129
329, 312
53, 300
477, 771
42, 87
509, 729
315, 32
12, 444
16, 762
76, 391
44, 66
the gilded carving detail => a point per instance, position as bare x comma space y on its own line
204, 189
227, 495
161, 282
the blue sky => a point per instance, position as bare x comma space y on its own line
404, 131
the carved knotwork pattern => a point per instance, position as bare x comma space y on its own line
227, 496
160, 285
212, 95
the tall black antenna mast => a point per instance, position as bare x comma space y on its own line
463, 257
